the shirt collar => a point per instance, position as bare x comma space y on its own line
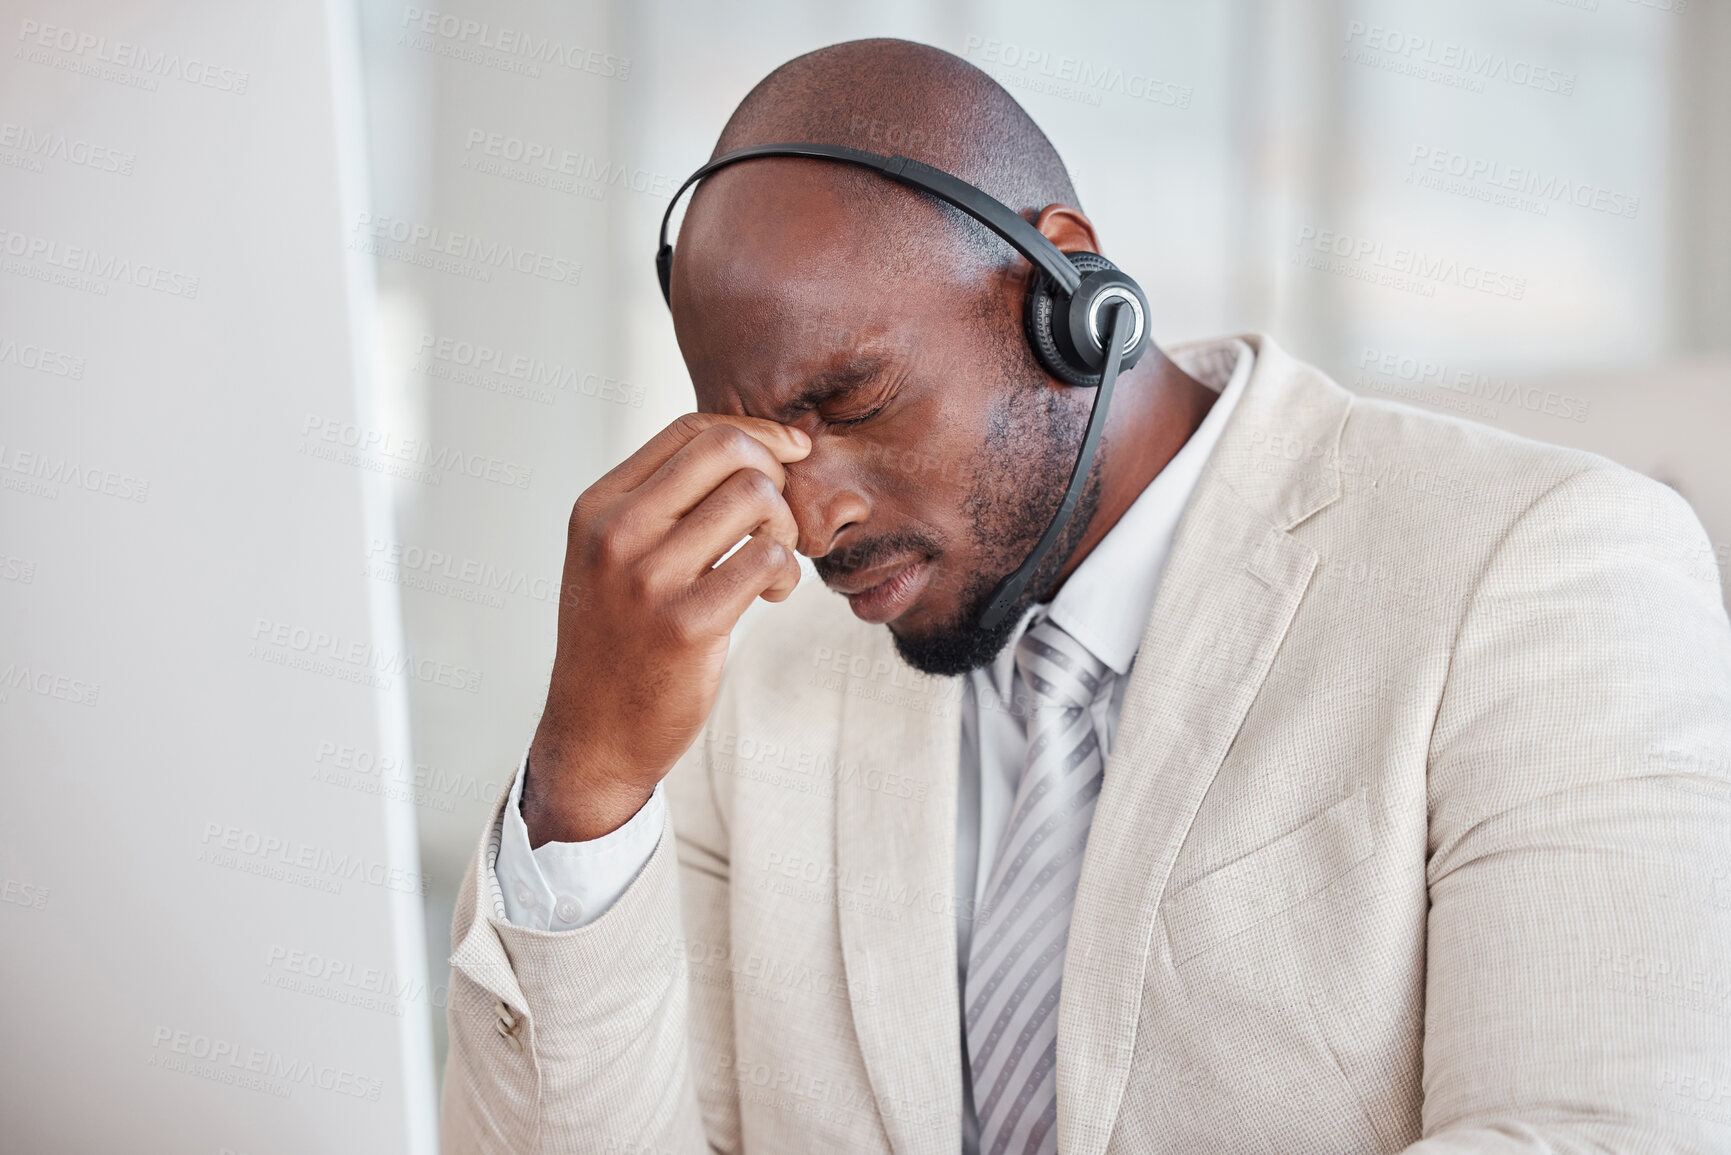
1106, 602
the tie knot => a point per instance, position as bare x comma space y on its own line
1057, 669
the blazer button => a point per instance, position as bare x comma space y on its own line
506, 1024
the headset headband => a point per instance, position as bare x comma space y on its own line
994, 214
1063, 318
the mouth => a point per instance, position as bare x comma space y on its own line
882, 593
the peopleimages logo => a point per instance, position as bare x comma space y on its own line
1447, 62
303, 647
1071, 77
48, 145
254, 1068
559, 161
416, 243
354, 767
42, 475
24, 894
439, 570
300, 863
28, 355
513, 44
1366, 259
1423, 374
1516, 186
35, 680
485, 366
88, 53
414, 458
82, 267
338, 980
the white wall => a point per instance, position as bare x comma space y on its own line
210, 939
517, 367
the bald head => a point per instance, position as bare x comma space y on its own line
895, 96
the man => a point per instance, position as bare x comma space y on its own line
1350, 779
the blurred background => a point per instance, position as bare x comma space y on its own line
315, 322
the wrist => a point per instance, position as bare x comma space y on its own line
559, 806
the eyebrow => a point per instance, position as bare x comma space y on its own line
851, 375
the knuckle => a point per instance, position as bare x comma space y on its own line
770, 554
642, 583
584, 509
610, 540
760, 489
630, 522
691, 424
685, 626
732, 441
747, 559
607, 551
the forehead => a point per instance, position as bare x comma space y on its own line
766, 230
784, 272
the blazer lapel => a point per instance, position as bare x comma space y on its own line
1233, 582
895, 884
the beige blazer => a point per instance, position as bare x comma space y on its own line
1416, 835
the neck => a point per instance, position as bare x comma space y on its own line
1155, 408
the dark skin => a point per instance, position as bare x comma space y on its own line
834, 418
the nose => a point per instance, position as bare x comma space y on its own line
822, 503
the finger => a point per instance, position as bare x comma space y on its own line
697, 468
762, 567
746, 503
783, 442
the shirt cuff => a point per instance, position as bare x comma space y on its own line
566, 885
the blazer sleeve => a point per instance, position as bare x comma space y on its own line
1578, 990
623, 1027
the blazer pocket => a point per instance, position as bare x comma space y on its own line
1267, 881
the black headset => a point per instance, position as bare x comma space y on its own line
1084, 318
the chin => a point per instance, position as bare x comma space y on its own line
912, 622
954, 646
936, 610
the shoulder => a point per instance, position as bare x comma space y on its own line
1507, 517
1417, 451
1297, 412
1439, 497
1398, 469
1492, 479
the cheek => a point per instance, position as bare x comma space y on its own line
932, 453
921, 474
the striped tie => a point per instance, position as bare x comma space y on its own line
1016, 958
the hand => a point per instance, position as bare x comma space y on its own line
644, 619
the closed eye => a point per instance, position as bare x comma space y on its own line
855, 392
846, 421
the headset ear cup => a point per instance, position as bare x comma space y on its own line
1045, 308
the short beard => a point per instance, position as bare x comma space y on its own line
1029, 452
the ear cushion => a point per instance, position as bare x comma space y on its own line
1046, 306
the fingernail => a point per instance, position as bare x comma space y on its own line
800, 437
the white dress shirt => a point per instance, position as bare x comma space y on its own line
1104, 605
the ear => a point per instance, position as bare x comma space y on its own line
1069, 228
